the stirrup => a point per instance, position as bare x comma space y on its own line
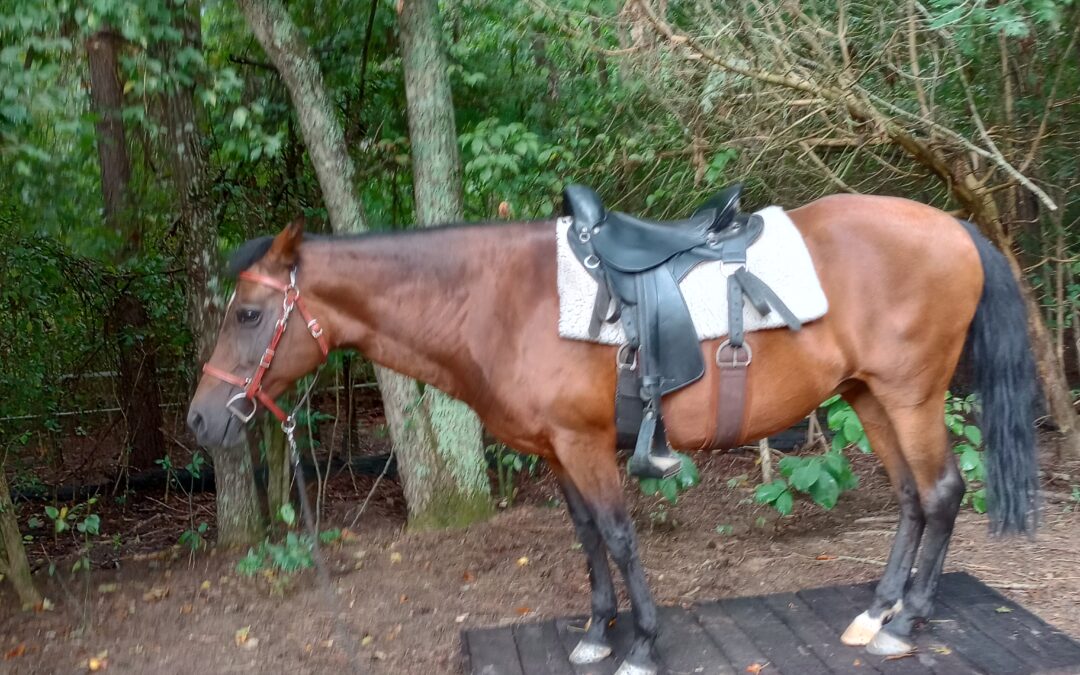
655, 466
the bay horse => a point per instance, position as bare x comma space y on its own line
473, 310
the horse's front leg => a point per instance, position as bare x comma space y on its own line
594, 646
589, 464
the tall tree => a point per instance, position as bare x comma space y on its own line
437, 440
13, 564
436, 167
127, 319
239, 521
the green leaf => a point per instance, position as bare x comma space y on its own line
806, 475
649, 486
669, 489
688, 476
52, 512
978, 500
973, 434
852, 428
767, 493
789, 464
239, 117
784, 503
287, 514
825, 490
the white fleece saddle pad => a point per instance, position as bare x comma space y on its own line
779, 258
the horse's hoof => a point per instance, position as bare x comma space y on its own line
589, 652
864, 627
887, 644
861, 631
628, 668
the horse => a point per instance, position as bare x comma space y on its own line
473, 309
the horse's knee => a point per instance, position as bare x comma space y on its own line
944, 498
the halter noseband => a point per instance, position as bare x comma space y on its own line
252, 386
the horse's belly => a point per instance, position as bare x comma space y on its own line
790, 374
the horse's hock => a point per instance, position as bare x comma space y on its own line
974, 630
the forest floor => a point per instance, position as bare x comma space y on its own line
401, 598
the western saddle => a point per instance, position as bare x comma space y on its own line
638, 265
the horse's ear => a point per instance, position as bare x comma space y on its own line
286, 246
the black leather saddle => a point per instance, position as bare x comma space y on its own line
638, 265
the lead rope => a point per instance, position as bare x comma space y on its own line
289, 427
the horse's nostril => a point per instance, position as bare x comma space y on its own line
196, 423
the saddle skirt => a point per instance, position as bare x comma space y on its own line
779, 258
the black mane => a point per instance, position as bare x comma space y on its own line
249, 253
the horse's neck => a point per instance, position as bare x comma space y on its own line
422, 303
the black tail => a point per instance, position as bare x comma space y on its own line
999, 352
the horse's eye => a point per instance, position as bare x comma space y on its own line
248, 316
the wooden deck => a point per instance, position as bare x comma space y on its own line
974, 630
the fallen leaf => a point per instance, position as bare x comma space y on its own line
522, 561
897, 657
366, 641
1003, 610
108, 588
186, 608
99, 662
468, 577
403, 599
460, 618
379, 656
326, 644
825, 557
755, 668
205, 585
504, 209
395, 557
156, 593
523, 610
857, 662
941, 649
17, 651
45, 605
251, 643
241, 636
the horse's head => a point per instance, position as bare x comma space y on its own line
256, 358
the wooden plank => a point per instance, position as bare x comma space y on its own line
1050, 639
1027, 637
540, 650
782, 647
801, 619
932, 654
492, 651
740, 650
685, 647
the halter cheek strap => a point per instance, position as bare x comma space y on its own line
252, 386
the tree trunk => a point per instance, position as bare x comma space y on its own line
278, 467
456, 432
140, 399
239, 520
413, 428
191, 181
13, 564
127, 318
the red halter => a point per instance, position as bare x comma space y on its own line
252, 386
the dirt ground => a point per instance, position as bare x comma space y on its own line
400, 599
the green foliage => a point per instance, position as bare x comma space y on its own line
194, 538
509, 466
968, 447
288, 557
823, 478
845, 424
670, 488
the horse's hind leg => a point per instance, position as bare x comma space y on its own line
924, 442
593, 470
594, 646
890, 590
